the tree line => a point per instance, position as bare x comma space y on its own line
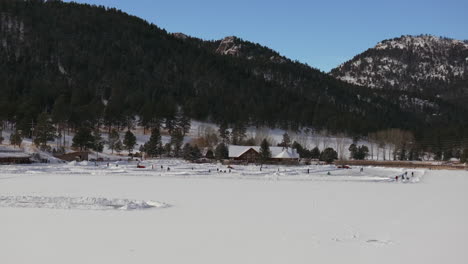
92, 67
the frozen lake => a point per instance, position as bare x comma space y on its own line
79, 213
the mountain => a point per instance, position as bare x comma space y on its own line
90, 65
424, 73
426, 64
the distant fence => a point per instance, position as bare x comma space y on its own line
402, 164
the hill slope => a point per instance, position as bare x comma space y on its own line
86, 64
91, 64
412, 63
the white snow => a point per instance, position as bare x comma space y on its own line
10, 152
277, 215
287, 154
81, 203
61, 69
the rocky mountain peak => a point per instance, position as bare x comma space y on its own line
180, 35
229, 46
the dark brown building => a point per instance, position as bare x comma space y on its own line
15, 160
74, 156
251, 155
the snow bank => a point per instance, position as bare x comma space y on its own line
80, 203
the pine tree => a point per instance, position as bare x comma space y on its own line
154, 146
464, 156
187, 151
183, 122
118, 146
265, 153
129, 141
329, 155
224, 133
303, 153
221, 152
170, 124
61, 115
402, 153
98, 141
83, 139
353, 150
361, 153
44, 131
286, 143
168, 149
315, 153
190, 152
209, 154
113, 139
16, 139
238, 134
177, 138
195, 153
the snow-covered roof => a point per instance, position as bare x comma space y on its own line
287, 154
276, 152
7, 152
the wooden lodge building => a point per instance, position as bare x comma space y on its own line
251, 154
74, 156
13, 156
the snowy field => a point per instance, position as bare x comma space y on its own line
80, 213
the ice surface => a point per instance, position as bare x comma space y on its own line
278, 215
81, 203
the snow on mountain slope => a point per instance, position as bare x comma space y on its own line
410, 63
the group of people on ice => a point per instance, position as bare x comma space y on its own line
404, 176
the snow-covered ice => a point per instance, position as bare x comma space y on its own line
277, 215
81, 203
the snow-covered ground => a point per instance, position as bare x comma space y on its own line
80, 213
308, 140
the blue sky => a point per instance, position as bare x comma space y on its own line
322, 34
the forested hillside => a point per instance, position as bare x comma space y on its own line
86, 66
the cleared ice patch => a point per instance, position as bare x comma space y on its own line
79, 203
379, 242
